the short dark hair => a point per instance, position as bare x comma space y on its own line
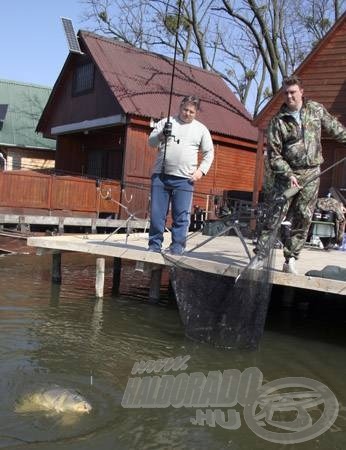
193, 99
292, 80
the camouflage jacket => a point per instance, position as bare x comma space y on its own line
293, 147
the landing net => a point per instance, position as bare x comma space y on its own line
224, 311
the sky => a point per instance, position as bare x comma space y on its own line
33, 44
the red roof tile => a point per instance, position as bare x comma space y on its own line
141, 83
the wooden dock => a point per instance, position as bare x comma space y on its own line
222, 255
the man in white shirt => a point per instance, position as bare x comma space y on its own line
178, 139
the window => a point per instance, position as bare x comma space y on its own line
83, 79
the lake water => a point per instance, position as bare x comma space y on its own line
62, 335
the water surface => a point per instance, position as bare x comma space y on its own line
63, 335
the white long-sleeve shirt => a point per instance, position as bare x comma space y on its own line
182, 151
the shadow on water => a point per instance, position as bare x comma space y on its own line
308, 314
62, 335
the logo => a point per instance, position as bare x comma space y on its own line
285, 411
302, 408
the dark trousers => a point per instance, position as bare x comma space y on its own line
169, 190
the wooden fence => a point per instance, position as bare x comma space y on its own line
58, 194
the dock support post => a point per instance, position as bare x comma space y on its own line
155, 283
171, 293
100, 277
116, 275
56, 269
61, 225
93, 226
288, 296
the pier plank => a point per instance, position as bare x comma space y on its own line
222, 255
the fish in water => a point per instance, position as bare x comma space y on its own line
54, 399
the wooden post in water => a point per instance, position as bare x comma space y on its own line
288, 296
56, 269
171, 293
116, 275
100, 277
155, 284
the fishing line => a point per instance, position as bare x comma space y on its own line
167, 130
291, 192
147, 187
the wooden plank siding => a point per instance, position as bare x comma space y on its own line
139, 159
70, 108
26, 189
70, 156
333, 152
235, 169
74, 149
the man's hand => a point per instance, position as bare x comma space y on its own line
197, 175
294, 181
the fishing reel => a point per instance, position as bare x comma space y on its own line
280, 200
167, 132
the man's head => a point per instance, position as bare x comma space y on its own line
188, 108
293, 89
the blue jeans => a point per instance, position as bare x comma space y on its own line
166, 189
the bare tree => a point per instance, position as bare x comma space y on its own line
318, 16
251, 45
128, 21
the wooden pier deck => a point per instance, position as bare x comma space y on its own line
222, 255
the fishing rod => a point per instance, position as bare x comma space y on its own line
292, 191
167, 129
147, 186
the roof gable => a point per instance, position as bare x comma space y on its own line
323, 75
25, 104
141, 81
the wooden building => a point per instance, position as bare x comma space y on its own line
21, 105
103, 107
323, 74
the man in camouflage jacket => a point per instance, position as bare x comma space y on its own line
295, 154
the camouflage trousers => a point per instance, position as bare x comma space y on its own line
298, 210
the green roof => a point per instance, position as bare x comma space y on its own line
25, 105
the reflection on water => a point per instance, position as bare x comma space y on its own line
63, 335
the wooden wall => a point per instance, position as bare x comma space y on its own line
52, 193
139, 159
335, 177
67, 108
72, 150
324, 75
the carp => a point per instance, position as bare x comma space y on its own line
55, 399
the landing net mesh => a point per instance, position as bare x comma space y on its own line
224, 311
